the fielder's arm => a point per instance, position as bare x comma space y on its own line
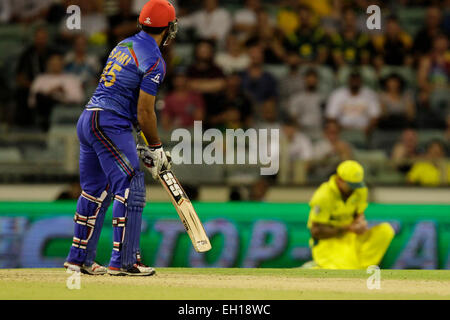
325, 231
147, 118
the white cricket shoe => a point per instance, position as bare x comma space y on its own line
95, 269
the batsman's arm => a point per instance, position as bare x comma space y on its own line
146, 117
325, 231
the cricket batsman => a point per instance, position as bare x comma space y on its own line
109, 161
340, 237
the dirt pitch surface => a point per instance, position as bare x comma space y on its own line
221, 284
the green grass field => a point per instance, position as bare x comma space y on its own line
221, 284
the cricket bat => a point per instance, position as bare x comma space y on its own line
184, 208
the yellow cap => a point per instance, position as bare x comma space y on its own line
351, 172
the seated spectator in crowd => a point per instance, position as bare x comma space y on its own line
397, 105
299, 145
122, 16
423, 41
433, 170
211, 22
287, 16
233, 101
257, 83
182, 106
233, 58
393, 47
32, 61
245, 19
349, 46
434, 76
406, 151
305, 107
268, 38
52, 87
354, 107
29, 11
205, 77
309, 41
447, 129
6, 11
268, 117
291, 84
331, 145
82, 64
329, 151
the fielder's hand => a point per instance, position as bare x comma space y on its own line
155, 159
359, 225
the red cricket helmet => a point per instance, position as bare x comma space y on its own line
157, 14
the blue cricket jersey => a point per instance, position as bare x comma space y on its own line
134, 64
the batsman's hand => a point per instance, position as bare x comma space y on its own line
155, 159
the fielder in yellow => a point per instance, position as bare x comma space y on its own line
340, 237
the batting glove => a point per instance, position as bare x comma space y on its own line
155, 159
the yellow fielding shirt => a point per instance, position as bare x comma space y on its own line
328, 207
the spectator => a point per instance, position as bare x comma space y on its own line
234, 107
267, 37
211, 22
6, 11
397, 105
30, 10
82, 64
329, 151
423, 40
331, 146
291, 84
205, 77
32, 62
122, 18
434, 76
306, 107
394, 47
182, 106
54, 86
354, 107
268, 116
246, 18
447, 129
234, 59
257, 83
309, 41
433, 170
406, 150
299, 145
349, 46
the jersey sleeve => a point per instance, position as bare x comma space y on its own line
153, 77
320, 210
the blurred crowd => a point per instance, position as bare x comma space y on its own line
310, 68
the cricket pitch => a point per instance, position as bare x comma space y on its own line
225, 284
